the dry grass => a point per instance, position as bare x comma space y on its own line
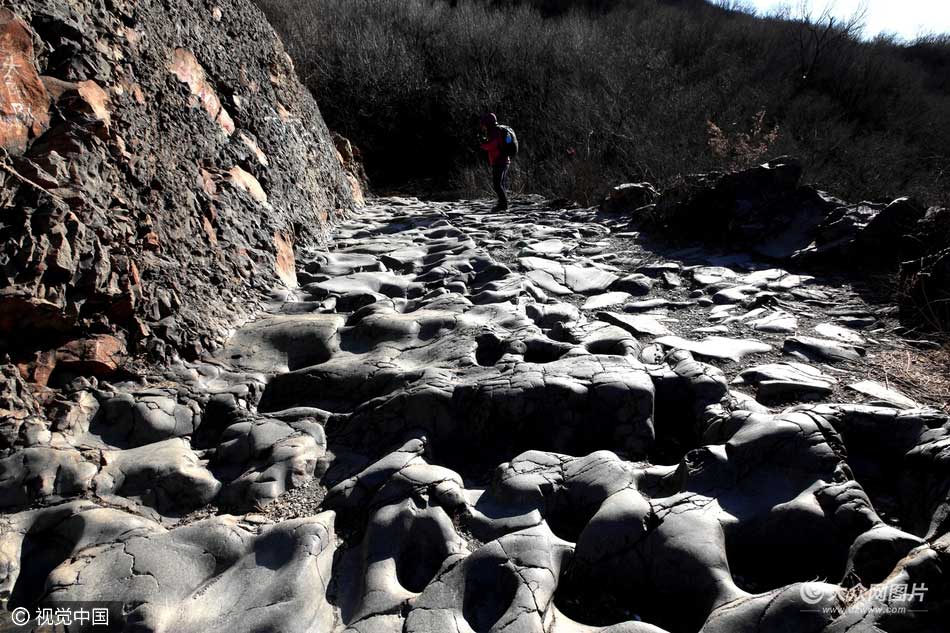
923, 375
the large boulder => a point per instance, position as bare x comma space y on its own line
767, 211
764, 209
629, 197
888, 234
24, 101
925, 276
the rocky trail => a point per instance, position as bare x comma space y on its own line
538, 420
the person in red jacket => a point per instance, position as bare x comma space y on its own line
494, 144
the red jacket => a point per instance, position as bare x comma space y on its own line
495, 146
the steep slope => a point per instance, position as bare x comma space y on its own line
160, 163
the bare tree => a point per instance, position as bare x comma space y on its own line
819, 36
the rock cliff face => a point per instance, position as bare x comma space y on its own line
160, 164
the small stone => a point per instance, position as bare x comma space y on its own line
736, 294
628, 197
151, 241
838, 333
883, 394
776, 322
657, 269
636, 324
709, 275
717, 347
857, 323
652, 354
605, 300
812, 349
671, 280
645, 305
779, 379
712, 329
545, 247
635, 284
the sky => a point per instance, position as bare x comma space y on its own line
906, 18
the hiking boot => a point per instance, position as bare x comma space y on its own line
499, 207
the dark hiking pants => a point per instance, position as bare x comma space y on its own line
500, 184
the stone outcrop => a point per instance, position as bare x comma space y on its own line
161, 166
764, 209
767, 210
629, 197
925, 276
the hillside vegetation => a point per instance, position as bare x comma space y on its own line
621, 91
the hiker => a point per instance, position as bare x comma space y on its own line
502, 145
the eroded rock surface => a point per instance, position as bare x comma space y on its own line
439, 430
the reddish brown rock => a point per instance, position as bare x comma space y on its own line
246, 182
39, 369
134, 276
19, 312
86, 98
56, 88
207, 182
349, 157
24, 102
99, 355
189, 71
286, 264
122, 308
251, 144
96, 101
358, 197
209, 230
43, 367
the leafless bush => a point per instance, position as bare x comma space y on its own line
741, 149
622, 91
